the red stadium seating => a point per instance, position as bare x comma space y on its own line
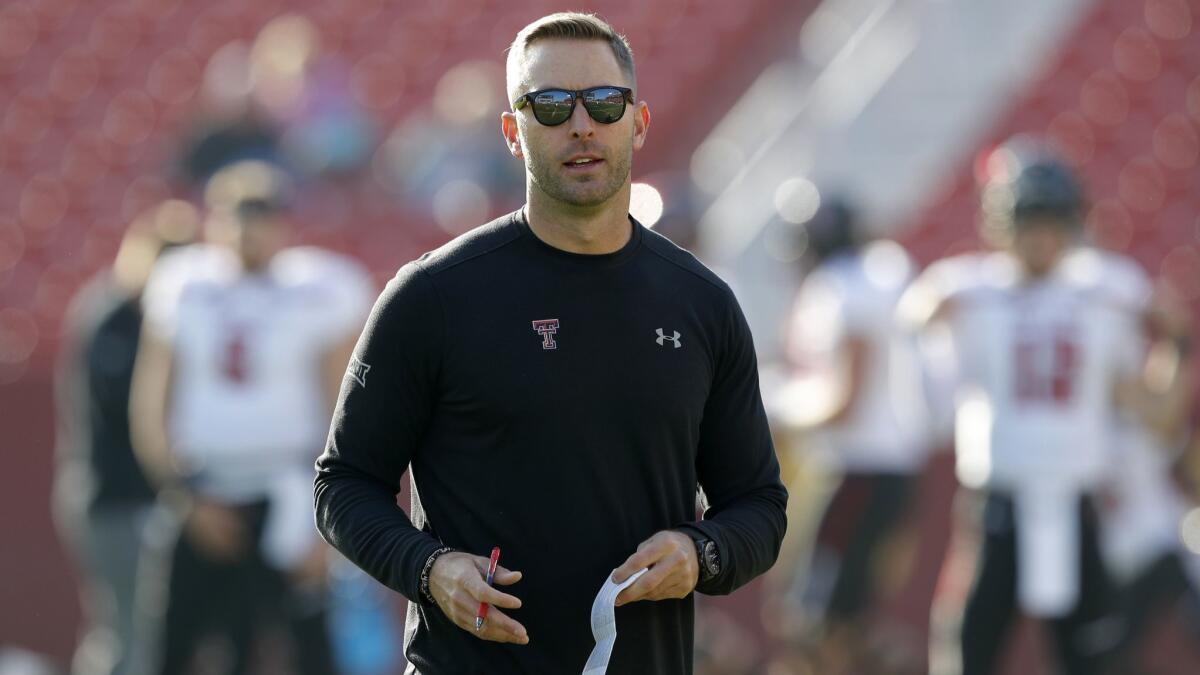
1122, 102
94, 94
94, 97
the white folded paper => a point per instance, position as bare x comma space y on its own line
604, 623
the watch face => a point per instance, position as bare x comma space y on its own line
710, 557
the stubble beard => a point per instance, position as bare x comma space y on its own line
547, 175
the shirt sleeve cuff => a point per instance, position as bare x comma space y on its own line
708, 530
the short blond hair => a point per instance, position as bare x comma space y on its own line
571, 26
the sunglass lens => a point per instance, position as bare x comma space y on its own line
553, 107
606, 105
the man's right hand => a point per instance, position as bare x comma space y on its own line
216, 530
458, 584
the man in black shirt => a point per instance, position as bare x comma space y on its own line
102, 498
560, 381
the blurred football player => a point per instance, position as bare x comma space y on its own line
101, 496
857, 391
1142, 517
1046, 356
1144, 505
243, 352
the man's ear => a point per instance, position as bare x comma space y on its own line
508, 129
641, 123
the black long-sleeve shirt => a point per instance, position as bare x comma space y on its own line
565, 446
97, 466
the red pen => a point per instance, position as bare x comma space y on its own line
483, 606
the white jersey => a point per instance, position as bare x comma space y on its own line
938, 361
1037, 365
1122, 279
248, 398
1141, 522
855, 295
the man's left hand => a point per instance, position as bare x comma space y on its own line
674, 569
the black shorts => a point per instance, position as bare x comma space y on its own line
235, 598
977, 618
1151, 594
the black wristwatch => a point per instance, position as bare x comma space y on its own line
708, 556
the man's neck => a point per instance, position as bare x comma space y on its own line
254, 268
588, 230
1031, 275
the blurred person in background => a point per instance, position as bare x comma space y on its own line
1046, 358
244, 345
101, 495
855, 398
1142, 518
443, 158
1144, 503
561, 382
230, 125
280, 100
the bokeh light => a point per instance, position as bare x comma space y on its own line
797, 199
1189, 531
99, 100
469, 92
460, 205
645, 203
715, 163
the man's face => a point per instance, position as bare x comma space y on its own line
551, 154
1039, 242
255, 240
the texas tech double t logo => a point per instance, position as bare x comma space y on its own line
547, 328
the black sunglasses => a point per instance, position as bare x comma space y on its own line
552, 107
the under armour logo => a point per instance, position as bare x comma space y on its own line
547, 328
662, 337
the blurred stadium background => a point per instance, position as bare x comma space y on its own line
386, 113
